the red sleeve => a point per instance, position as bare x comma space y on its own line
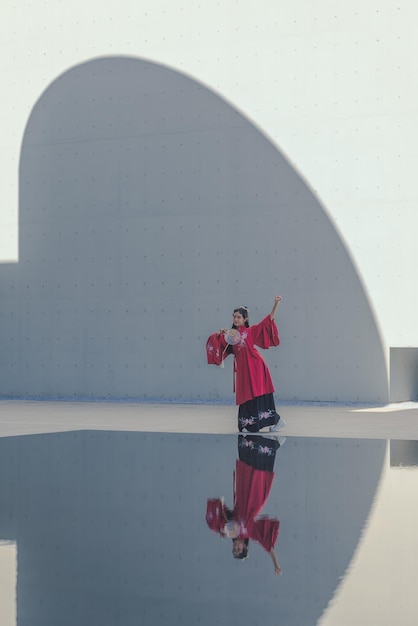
266, 334
264, 531
215, 347
215, 516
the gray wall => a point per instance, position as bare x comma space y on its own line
403, 374
149, 208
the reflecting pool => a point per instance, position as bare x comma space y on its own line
116, 529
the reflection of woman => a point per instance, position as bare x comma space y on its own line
253, 480
253, 383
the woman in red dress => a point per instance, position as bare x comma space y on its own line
253, 384
253, 478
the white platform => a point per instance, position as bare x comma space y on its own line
394, 421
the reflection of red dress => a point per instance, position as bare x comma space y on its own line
252, 374
252, 488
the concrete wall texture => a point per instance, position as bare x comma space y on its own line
154, 199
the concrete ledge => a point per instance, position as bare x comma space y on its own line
398, 421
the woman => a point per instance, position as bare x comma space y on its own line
253, 384
253, 479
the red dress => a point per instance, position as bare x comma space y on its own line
251, 490
252, 376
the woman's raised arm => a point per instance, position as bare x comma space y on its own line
277, 301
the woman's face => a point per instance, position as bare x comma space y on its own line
238, 319
238, 546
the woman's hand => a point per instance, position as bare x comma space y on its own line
223, 331
277, 300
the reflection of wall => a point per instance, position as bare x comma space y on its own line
403, 453
149, 208
8, 581
110, 528
380, 585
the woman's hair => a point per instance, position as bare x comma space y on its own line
229, 514
244, 312
244, 552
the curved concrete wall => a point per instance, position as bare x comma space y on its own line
149, 208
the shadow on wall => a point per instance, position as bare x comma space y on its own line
149, 208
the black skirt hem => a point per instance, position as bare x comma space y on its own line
257, 413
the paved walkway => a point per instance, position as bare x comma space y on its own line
397, 421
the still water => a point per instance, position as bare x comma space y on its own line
116, 529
